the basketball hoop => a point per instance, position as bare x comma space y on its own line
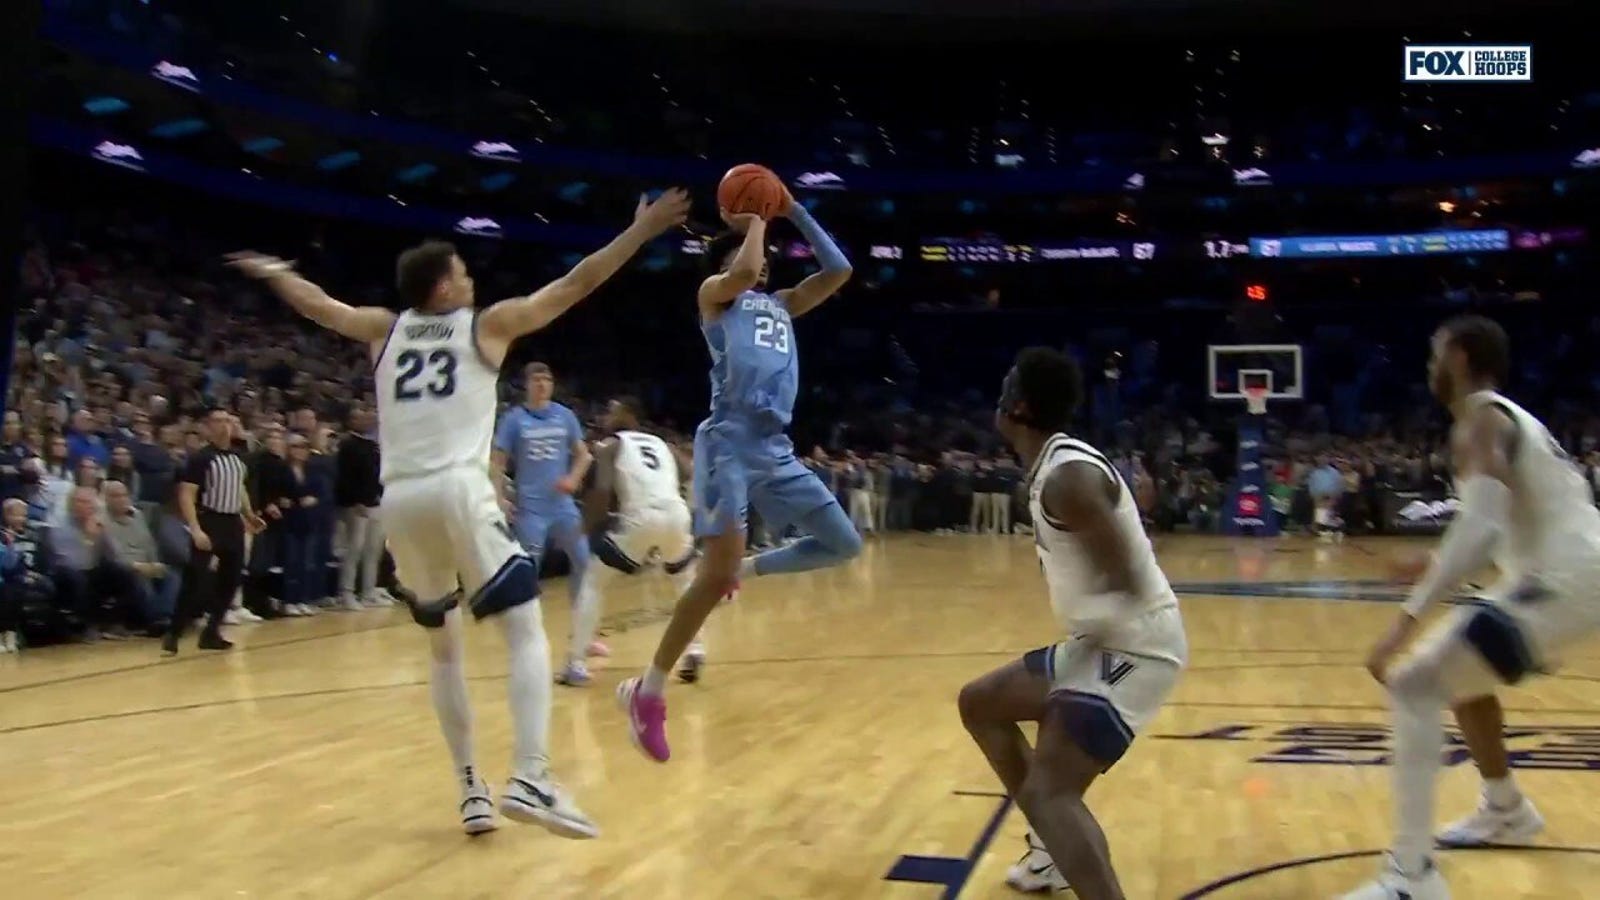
1255, 400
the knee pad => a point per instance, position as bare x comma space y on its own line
431, 614
676, 568
516, 583
607, 551
1499, 640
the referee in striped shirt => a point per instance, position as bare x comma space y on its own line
216, 506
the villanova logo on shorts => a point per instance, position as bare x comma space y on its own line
1469, 62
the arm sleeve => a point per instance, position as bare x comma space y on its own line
1466, 544
828, 254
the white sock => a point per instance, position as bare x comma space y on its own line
1418, 737
697, 647
747, 568
585, 618
1502, 793
448, 686
529, 687
654, 681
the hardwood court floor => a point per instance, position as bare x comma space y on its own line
822, 748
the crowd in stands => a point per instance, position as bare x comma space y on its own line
116, 360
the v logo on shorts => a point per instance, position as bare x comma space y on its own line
1114, 668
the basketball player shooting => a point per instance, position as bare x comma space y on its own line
741, 453
1093, 692
1517, 486
437, 364
636, 518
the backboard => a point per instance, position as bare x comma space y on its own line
1232, 368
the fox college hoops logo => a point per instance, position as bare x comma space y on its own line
1469, 62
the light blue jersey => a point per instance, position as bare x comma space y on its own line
538, 446
755, 363
741, 455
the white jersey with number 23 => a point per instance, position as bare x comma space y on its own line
436, 396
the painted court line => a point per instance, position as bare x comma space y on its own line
952, 872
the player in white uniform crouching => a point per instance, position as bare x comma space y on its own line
1522, 496
636, 519
1504, 815
436, 367
1093, 692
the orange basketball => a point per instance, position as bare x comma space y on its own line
751, 188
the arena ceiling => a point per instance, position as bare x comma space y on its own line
1028, 18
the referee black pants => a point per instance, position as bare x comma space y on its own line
207, 589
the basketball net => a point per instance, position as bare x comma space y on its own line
1255, 400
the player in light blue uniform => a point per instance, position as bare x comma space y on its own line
543, 442
741, 454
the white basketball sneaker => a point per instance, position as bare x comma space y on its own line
1035, 872
1488, 826
1392, 884
692, 662
477, 806
539, 800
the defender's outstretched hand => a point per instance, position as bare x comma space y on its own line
258, 265
669, 210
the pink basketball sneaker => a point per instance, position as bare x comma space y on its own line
647, 719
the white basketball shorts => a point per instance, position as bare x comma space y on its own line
445, 528
1111, 694
655, 535
1522, 624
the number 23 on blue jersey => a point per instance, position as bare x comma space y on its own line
772, 333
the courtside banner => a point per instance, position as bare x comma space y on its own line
1417, 512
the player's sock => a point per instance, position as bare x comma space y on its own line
1418, 736
747, 568
529, 686
448, 686
830, 540
585, 618
1502, 793
654, 681
450, 704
